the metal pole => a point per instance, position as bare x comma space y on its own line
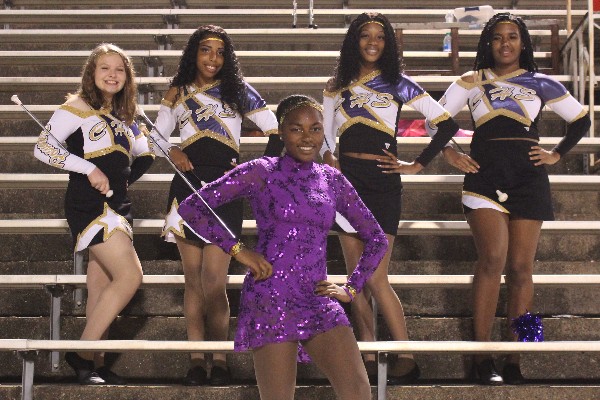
592, 73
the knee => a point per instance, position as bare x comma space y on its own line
491, 263
135, 277
519, 275
359, 387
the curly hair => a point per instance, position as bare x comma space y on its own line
294, 101
124, 103
233, 89
485, 58
348, 63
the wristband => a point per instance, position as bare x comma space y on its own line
350, 291
236, 248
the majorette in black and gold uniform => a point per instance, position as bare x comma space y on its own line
210, 137
95, 138
365, 115
505, 110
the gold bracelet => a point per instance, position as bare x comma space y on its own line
236, 248
350, 291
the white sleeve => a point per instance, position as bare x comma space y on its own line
52, 150
141, 145
452, 101
330, 131
163, 127
264, 119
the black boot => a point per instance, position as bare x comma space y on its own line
84, 369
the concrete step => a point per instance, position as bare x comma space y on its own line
416, 204
165, 366
426, 391
416, 301
551, 247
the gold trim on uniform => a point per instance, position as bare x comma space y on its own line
509, 114
582, 114
123, 227
148, 153
168, 228
424, 94
495, 77
167, 103
83, 113
464, 84
328, 93
362, 120
443, 117
564, 96
105, 151
256, 111
467, 193
210, 134
271, 132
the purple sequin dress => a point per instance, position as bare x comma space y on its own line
294, 205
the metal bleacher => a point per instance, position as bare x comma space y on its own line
42, 47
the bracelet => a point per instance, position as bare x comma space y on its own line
350, 291
236, 248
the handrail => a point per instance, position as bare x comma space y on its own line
577, 59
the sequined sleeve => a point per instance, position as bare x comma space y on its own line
349, 204
62, 124
163, 127
240, 182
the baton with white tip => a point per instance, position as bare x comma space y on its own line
15, 99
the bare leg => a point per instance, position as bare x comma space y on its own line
205, 273
275, 369
215, 264
362, 313
524, 235
118, 258
96, 282
387, 299
336, 353
490, 233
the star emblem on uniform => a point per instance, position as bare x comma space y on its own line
173, 221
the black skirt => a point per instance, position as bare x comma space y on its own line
381, 193
231, 213
92, 217
505, 166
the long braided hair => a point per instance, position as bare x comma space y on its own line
348, 63
233, 89
485, 58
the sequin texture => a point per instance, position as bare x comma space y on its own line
294, 205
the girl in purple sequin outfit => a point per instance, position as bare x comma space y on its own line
286, 299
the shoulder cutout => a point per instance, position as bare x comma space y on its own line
329, 86
77, 103
172, 94
469, 76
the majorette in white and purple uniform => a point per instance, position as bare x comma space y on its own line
365, 116
95, 138
506, 110
210, 137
